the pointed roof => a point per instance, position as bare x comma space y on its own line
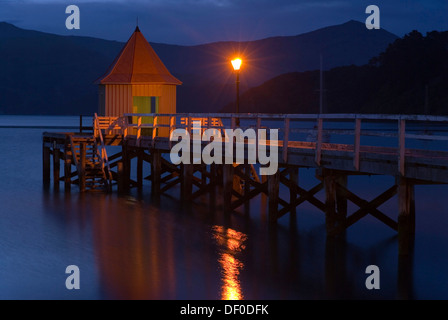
138, 63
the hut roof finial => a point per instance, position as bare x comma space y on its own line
137, 28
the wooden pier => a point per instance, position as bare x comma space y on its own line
412, 149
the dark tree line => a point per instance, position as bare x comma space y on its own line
409, 77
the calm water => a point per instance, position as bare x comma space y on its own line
136, 247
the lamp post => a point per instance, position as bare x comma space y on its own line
236, 63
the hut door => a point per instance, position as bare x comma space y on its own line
145, 105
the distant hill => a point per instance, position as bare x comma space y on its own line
409, 77
50, 74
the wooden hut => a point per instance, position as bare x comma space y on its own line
137, 82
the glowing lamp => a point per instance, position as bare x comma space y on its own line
236, 63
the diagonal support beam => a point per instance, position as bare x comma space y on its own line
366, 207
305, 195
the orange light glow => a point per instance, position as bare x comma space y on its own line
236, 63
231, 243
231, 288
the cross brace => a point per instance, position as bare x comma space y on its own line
365, 208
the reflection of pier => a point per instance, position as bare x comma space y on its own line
351, 151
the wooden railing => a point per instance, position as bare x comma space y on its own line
313, 131
109, 125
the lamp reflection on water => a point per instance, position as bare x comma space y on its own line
231, 243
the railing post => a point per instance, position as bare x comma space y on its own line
209, 123
357, 144
233, 123
154, 130
172, 128
67, 166
286, 140
139, 129
56, 166
109, 130
258, 130
125, 127
319, 141
95, 128
402, 145
258, 123
189, 125
82, 167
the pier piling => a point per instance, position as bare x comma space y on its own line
334, 164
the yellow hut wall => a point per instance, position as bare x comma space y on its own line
118, 100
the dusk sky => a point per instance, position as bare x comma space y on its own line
190, 22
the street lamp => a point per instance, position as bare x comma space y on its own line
236, 63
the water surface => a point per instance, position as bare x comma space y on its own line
138, 247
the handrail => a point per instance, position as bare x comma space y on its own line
103, 156
289, 125
335, 116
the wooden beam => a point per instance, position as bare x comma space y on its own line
366, 207
67, 168
250, 195
227, 172
170, 176
187, 181
156, 170
170, 184
304, 194
140, 170
294, 178
82, 166
120, 177
126, 160
402, 146
406, 215
247, 172
46, 166
262, 187
273, 196
330, 202
341, 200
213, 182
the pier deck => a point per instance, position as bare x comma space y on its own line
413, 149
